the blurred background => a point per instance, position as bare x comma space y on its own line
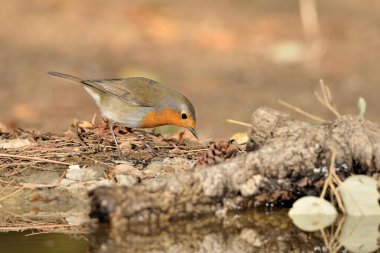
228, 56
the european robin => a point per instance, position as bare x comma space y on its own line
138, 102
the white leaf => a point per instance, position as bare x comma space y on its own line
311, 205
360, 234
360, 195
312, 213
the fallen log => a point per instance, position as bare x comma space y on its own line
286, 159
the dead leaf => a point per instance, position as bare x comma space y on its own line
240, 138
312, 213
352, 191
85, 124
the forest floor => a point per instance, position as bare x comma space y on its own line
45, 178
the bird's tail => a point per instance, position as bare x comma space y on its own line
65, 76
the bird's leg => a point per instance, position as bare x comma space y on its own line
143, 142
111, 125
129, 130
136, 136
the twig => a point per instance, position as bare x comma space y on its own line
77, 135
35, 227
300, 111
336, 178
325, 185
22, 217
325, 240
93, 121
96, 161
336, 245
34, 158
17, 172
337, 196
60, 178
8, 184
333, 244
238, 122
62, 231
327, 99
38, 186
329, 182
194, 150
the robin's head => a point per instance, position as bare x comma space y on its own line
179, 111
182, 113
187, 117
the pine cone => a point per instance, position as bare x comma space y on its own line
217, 153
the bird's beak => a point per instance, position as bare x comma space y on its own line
192, 130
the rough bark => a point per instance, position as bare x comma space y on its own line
286, 160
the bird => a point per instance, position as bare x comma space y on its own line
137, 102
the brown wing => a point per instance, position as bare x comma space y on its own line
135, 90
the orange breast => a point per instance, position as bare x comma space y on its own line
159, 118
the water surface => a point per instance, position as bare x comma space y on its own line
242, 232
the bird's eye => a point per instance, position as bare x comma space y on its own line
184, 115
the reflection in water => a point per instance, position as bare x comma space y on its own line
249, 232
360, 234
311, 223
356, 234
21, 242
237, 233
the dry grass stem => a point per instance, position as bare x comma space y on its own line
325, 240
7, 186
337, 196
77, 135
93, 120
300, 111
98, 162
335, 244
326, 99
332, 243
39, 223
238, 122
324, 189
21, 228
34, 158
11, 194
329, 182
